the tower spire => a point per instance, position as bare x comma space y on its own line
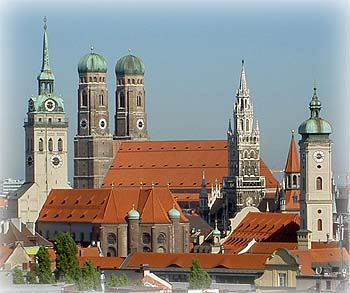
292, 164
243, 89
46, 77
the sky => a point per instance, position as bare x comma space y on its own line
192, 53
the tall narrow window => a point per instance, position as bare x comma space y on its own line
138, 101
101, 99
241, 124
247, 125
50, 145
60, 145
295, 180
84, 99
318, 183
282, 279
121, 100
41, 145
319, 225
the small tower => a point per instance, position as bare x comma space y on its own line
130, 114
46, 165
133, 230
93, 145
203, 200
244, 186
291, 180
315, 174
174, 216
216, 239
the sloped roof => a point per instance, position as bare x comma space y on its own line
5, 252
272, 227
108, 205
323, 257
291, 205
178, 164
102, 262
207, 260
292, 164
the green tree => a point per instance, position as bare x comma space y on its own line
199, 278
115, 281
31, 278
66, 256
17, 276
44, 266
88, 277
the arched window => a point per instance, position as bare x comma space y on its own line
161, 238
146, 238
247, 125
95, 79
60, 145
121, 100
138, 101
252, 155
295, 180
101, 99
111, 238
41, 145
84, 99
111, 251
246, 155
241, 124
50, 145
318, 183
319, 225
288, 181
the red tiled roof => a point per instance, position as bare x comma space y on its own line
270, 247
207, 261
177, 163
291, 205
316, 257
88, 251
5, 252
272, 227
292, 165
112, 262
108, 205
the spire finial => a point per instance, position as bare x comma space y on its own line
141, 184
292, 131
133, 206
203, 175
129, 50
242, 62
152, 184
92, 48
243, 89
45, 23
315, 87
112, 184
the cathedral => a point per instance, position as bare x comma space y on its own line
216, 178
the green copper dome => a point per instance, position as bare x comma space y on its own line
174, 213
315, 124
133, 214
216, 232
129, 64
92, 62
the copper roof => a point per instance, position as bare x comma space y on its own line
178, 164
207, 260
292, 165
108, 205
272, 227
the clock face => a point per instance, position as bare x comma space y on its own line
318, 156
140, 124
103, 123
83, 123
50, 105
56, 161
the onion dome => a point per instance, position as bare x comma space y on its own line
174, 213
92, 62
129, 64
133, 214
315, 124
216, 232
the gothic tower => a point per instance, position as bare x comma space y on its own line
315, 175
130, 117
46, 165
248, 187
291, 178
93, 145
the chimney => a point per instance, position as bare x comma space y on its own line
145, 269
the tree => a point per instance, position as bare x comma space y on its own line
31, 278
88, 277
199, 278
66, 256
44, 266
115, 281
17, 276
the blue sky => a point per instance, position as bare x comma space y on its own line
192, 54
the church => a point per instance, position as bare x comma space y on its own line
215, 178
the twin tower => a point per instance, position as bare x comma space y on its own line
93, 144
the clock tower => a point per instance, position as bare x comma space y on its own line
93, 145
46, 165
130, 114
315, 176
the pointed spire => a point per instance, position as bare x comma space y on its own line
45, 64
315, 104
229, 130
292, 164
243, 89
257, 125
